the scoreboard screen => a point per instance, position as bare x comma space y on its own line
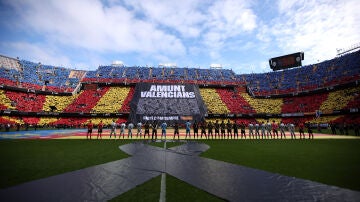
286, 61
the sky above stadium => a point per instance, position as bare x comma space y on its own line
238, 34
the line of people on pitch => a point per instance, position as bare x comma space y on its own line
130, 126
221, 130
113, 127
255, 130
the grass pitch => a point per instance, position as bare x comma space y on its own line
176, 190
26, 160
333, 162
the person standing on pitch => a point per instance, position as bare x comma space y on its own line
309, 129
187, 126
176, 130
222, 129
217, 129
122, 130
210, 130
139, 129
196, 130
263, 127
251, 130
113, 129
229, 129
89, 132
235, 128
147, 129
291, 128
356, 129
203, 129
282, 130
333, 128
130, 127
268, 129
163, 130
274, 127
257, 130
301, 130
242, 128
100, 128
154, 127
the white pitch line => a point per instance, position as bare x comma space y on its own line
163, 179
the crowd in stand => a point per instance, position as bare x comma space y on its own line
31, 75
36, 76
114, 74
331, 72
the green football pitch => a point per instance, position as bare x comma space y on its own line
333, 162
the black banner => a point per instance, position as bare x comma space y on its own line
166, 102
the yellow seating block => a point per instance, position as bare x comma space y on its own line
338, 99
16, 120
325, 119
105, 121
60, 102
112, 101
4, 100
213, 120
213, 101
269, 105
277, 120
47, 120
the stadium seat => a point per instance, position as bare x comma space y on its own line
234, 101
339, 99
112, 100
59, 102
213, 101
271, 106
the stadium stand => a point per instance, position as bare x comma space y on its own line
5, 102
86, 100
9, 63
115, 74
44, 121
112, 100
350, 119
213, 101
328, 73
260, 120
11, 120
126, 104
26, 74
270, 106
355, 102
234, 101
70, 121
26, 102
57, 103
308, 103
325, 119
339, 99
329, 86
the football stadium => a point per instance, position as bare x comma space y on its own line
117, 132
